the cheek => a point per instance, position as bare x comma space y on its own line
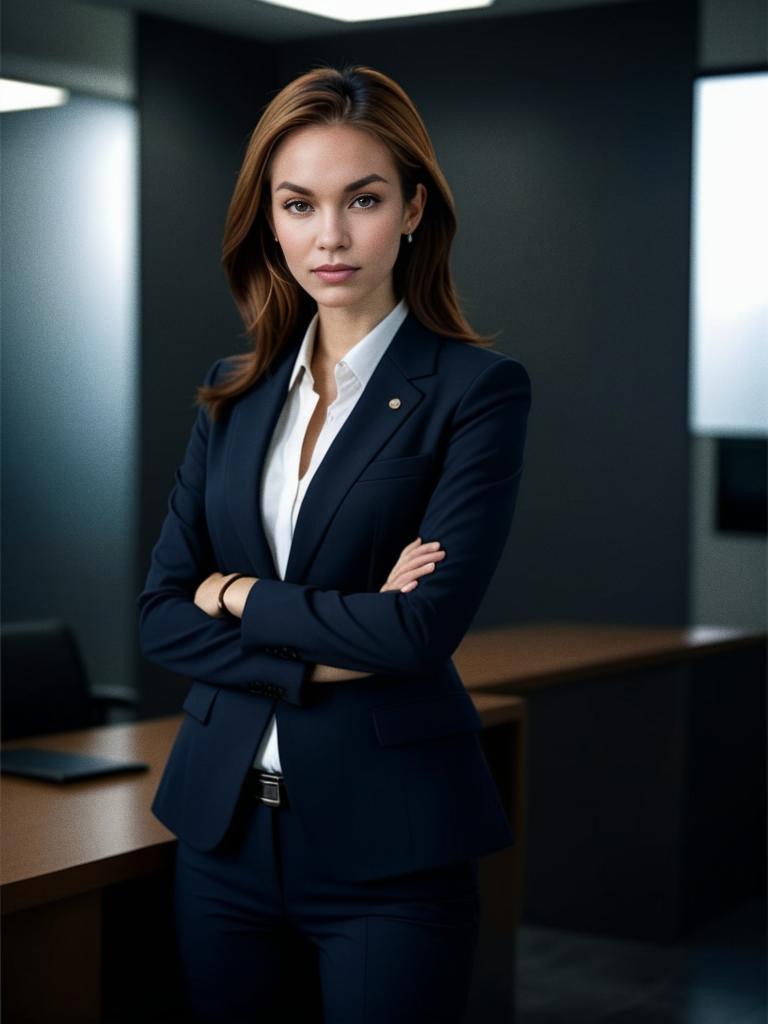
383, 238
292, 241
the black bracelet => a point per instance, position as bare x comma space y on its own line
222, 607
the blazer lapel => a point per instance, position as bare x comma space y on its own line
411, 354
254, 417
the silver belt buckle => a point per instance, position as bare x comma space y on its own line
270, 788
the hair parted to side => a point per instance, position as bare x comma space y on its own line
273, 306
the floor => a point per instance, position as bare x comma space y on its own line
717, 975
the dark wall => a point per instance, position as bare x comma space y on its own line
567, 141
200, 94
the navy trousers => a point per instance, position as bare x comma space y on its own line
395, 949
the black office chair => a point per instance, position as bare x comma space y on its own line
44, 685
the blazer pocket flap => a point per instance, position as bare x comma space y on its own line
426, 719
384, 469
199, 700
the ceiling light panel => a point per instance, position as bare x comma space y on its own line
376, 10
15, 95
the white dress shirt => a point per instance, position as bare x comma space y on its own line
281, 490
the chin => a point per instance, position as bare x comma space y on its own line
337, 295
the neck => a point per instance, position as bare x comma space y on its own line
340, 328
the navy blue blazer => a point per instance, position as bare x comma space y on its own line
386, 772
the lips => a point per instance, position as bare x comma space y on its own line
334, 273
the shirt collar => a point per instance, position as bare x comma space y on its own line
364, 355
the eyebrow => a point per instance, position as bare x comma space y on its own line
352, 187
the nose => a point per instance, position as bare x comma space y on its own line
333, 233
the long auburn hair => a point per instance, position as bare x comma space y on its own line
273, 306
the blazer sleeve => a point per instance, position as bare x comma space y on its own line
173, 632
470, 512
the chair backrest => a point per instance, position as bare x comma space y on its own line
44, 684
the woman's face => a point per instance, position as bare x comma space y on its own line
336, 200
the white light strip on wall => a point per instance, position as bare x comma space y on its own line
376, 10
729, 298
15, 95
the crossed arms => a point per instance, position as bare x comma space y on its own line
470, 510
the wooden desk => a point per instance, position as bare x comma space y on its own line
645, 769
64, 849
528, 657
85, 883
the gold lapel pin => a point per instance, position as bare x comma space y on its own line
394, 403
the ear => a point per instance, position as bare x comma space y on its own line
414, 208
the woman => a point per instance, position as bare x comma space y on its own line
343, 502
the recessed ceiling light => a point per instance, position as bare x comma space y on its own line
16, 95
376, 10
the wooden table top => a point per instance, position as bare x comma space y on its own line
59, 839
542, 654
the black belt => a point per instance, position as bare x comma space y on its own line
267, 787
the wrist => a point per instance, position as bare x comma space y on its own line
236, 594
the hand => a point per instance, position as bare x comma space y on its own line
207, 594
415, 560
207, 598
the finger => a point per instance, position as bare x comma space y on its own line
410, 547
422, 558
404, 563
420, 552
406, 577
404, 588
418, 543
426, 555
